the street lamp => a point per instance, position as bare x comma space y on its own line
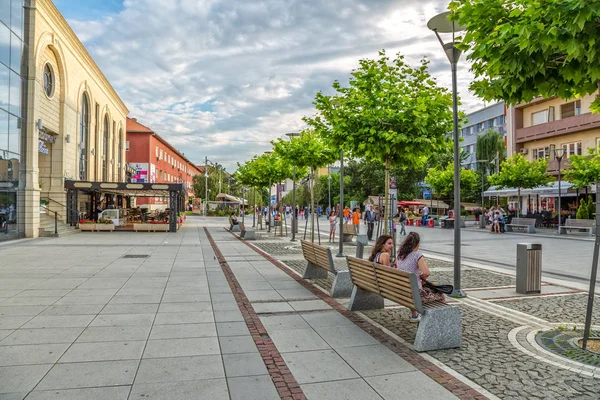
482, 181
269, 200
441, 24
559, 154
329, 187
292, 135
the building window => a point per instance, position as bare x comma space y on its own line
572, 149
539, 154
127, 145
570, 109
105, 148
540, 117
48, 80
157, 151
120, 158
161, 154
84, 131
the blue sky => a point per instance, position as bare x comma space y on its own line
222, 78
88, 9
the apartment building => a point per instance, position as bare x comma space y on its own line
537, 128
477, 123
156, 161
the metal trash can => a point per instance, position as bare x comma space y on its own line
482, 221
529, 268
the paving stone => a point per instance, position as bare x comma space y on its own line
297, 340
114, 333
21, 378
232, 329
318, 366
101, 393
31, 354
237, 344
41, 336
59, 321
123, 320
278, 322
374, 360
252, 388
214, 389
91, 374
185, 307
340, 390
413, 385
272, 307
181, 347
325, 318
245, 364
345, 336
191, 317
112, 308
228, 316
180, 331
104, 351
180, 369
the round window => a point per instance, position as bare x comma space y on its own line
48, 80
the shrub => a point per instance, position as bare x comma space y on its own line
591, 208
582, 211
104, 221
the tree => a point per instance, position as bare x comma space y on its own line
390, 113
442, 181
488, 147
308, 150
199, 184
584, 170
522, 49
518, 172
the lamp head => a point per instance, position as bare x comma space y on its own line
559, 153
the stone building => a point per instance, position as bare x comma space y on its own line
70, 121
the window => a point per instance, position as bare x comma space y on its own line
540, 117
597, 144
157, 151
570, 109
539, 154
127, 145
120, 158
168, 158
572, 149
481, 126
161, 154
48, 80
84, 131
105, 148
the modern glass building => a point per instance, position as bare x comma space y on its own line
12, 64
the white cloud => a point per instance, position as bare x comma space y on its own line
224, 77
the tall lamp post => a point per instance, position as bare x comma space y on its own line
294, 222
482, 181
341, 248
441, 24
329, 186
269, 214
559, 154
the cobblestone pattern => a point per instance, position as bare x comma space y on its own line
458, 388
487, 358
276, 249
285, 383
566, 308
474, 278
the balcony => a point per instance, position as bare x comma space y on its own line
565, 126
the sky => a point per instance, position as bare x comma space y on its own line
222, 78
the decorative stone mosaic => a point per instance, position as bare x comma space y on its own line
564, 342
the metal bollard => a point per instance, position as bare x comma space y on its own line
529, 268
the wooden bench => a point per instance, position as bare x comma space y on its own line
245, 233
576, 224
319, 263
348, 232
521, 223
440, 325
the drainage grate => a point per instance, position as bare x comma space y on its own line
136, 256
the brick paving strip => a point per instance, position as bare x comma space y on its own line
285, 383
454, 385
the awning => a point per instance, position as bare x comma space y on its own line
437, 204
470, 206
410, 203
551, 191
230, 199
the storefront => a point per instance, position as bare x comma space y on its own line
543, 198
91, 202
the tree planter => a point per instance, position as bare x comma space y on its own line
105, 227
160, 227
87, 227
142, 227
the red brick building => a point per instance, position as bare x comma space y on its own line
156, 161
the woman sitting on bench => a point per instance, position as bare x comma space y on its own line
233, 219
382, 250
410, 259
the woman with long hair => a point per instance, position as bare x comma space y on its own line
410, 259
332, 225
382, 250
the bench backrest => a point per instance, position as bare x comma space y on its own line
318, 255
395, 285
584, 223
349, 229
523, 221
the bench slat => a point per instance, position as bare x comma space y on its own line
359, 274
393, 296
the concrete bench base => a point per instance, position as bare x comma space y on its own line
342, 285
248, 235
362, 238
363, 300
591, 231
440, 328
528, 228
314, 272
347, 238
235, 228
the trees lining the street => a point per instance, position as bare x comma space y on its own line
389, 113
442, 182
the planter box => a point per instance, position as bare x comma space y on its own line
87, 227
160, 227
105, 227
142, 227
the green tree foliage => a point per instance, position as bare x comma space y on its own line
391, 113
518, 172
199, 184
522, 49
308, 150
584, 170
442, 182
582, 211
489, 146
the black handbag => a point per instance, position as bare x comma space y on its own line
440, 288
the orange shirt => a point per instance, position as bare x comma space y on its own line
346, 211
356, 217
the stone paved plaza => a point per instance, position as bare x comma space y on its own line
202, 315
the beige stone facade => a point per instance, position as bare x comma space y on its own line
76, 146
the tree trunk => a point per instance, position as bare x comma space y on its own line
260, 199
519, 206
387, 210
312, 205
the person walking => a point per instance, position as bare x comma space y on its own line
370, 219
356, 218
346, 214
332, 226
402, 221
425, 216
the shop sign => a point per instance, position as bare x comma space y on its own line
42, 148
141, 173
46, 137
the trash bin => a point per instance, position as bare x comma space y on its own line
529, 268
482, 222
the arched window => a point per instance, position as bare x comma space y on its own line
105, 149
48, 80
84, 133
120, 153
